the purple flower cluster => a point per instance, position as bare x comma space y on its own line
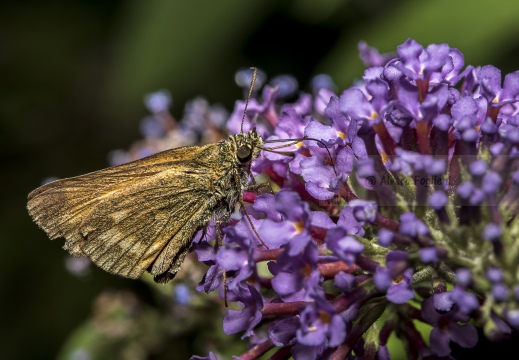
409, 196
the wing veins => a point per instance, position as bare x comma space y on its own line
151, 243
115, 261
99, 256
73, 213
118, 241
164, 258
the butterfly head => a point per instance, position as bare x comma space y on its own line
247, 146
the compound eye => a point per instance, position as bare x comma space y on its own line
244, 153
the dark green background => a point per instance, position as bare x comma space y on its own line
72, 78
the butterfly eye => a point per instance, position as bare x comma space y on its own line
244, 154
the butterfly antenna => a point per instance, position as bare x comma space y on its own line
254, 74
294, 142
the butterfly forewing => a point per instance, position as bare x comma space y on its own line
126, 217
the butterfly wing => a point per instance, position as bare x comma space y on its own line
124, 217
145, 226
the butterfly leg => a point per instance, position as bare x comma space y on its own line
242, 204
255, 187
219, 235
252, 225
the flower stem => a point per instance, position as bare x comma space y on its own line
261, 254
329, 270
422, 129
360, 327
289, 308
282, 354
258, 350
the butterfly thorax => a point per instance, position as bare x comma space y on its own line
235, 157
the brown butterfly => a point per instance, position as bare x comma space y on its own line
143, 215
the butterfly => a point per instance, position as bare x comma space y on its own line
143, 215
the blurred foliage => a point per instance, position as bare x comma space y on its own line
174, 324
73, 77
